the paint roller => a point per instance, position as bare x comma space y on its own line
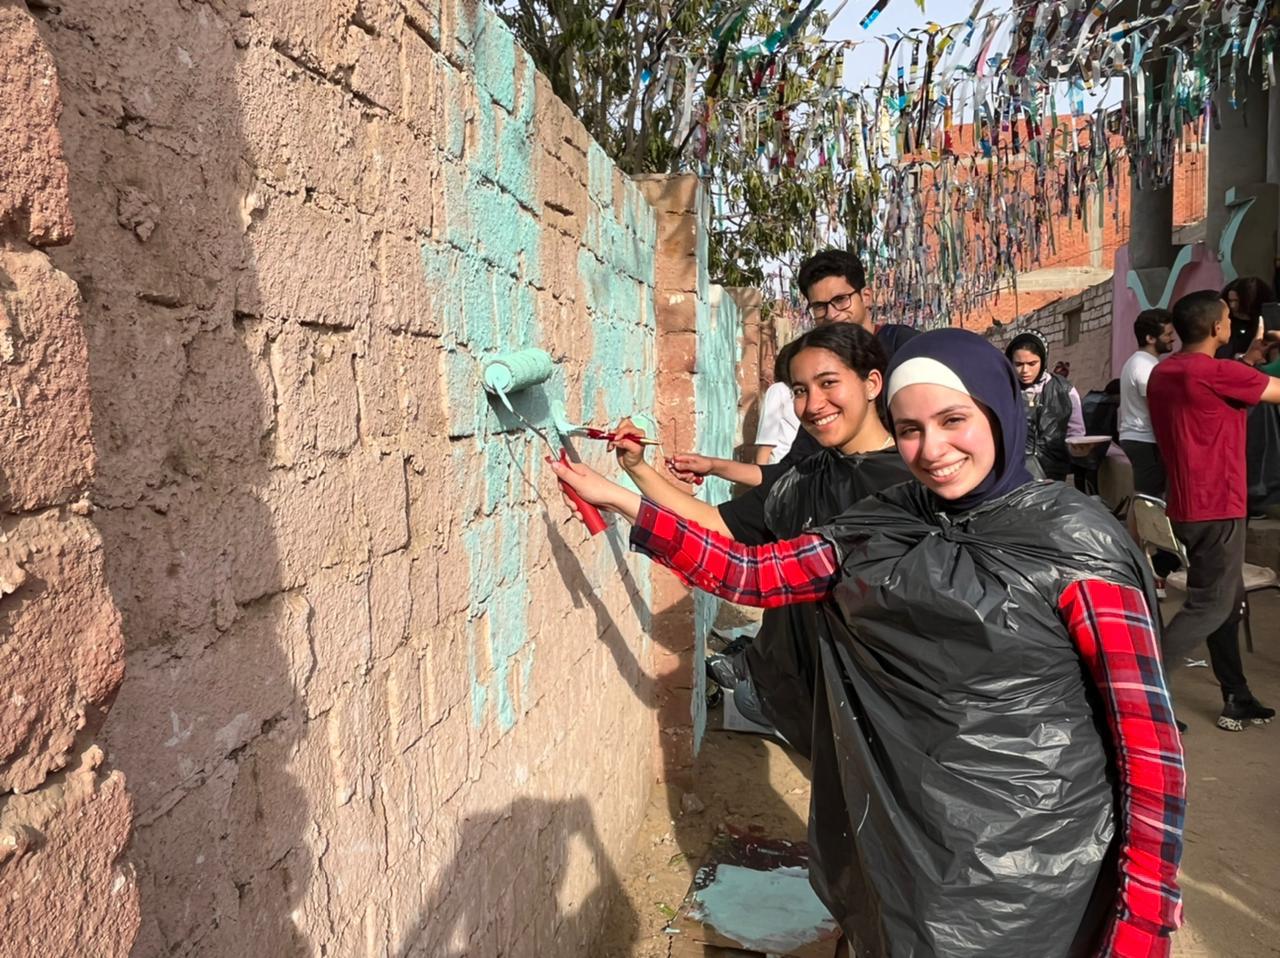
512, 372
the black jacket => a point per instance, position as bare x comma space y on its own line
1047, 421
781, 660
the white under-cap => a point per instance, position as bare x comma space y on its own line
923, 370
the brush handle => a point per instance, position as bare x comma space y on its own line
590, 514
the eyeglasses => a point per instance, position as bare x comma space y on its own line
838, 303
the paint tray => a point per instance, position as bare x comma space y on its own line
751, 898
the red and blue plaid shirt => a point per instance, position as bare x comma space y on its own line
1116, 638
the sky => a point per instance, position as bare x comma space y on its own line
865, 63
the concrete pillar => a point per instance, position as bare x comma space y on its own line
1151, 226
1237, 150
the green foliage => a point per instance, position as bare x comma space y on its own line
650, 80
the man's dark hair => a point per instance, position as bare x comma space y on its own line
855, 347
1195, 314
831, 262
1150, 322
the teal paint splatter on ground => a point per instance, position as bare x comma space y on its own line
774, 912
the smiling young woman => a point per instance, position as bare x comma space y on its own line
1001, 774
836, 374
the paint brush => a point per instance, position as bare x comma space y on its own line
601, 434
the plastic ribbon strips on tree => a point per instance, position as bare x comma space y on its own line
953, 168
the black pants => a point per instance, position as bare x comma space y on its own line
1149, 479
1215, 596
1148, 468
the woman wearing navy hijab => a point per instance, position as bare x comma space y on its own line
1003, 777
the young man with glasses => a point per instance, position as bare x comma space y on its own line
834, 285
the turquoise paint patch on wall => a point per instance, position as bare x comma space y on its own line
715, 389
514, 173
617, 275
484, 266
481, 266
495, 59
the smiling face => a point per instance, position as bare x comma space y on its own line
944, 437
1028, 366
833, 403
1164, 342
832, 300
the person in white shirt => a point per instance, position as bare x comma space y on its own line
1154, 331
778, 422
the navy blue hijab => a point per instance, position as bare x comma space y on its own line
988, 378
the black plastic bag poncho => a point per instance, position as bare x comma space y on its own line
781, 661
963, 802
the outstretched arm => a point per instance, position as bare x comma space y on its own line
802, 569
685, 465
653, 485
1114, 633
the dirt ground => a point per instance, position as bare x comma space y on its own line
1231, 864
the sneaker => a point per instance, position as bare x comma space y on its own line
1241, 710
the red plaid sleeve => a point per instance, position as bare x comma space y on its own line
802, 569
1113, 631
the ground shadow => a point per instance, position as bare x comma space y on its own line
208, 717
692, 827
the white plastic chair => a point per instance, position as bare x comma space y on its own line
1156, 532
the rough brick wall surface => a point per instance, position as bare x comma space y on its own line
1096, 246
381, 698
64, 813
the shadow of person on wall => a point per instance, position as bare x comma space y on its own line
747, 756
207, 723
532, 849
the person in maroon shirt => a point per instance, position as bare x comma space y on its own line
1199, 406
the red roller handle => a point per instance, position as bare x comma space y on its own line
590, 514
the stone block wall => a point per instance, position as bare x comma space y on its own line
700, 348
381, 697
755, 364
64, 811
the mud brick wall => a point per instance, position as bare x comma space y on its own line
755, 365
700, 348
64, 812
380, 696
